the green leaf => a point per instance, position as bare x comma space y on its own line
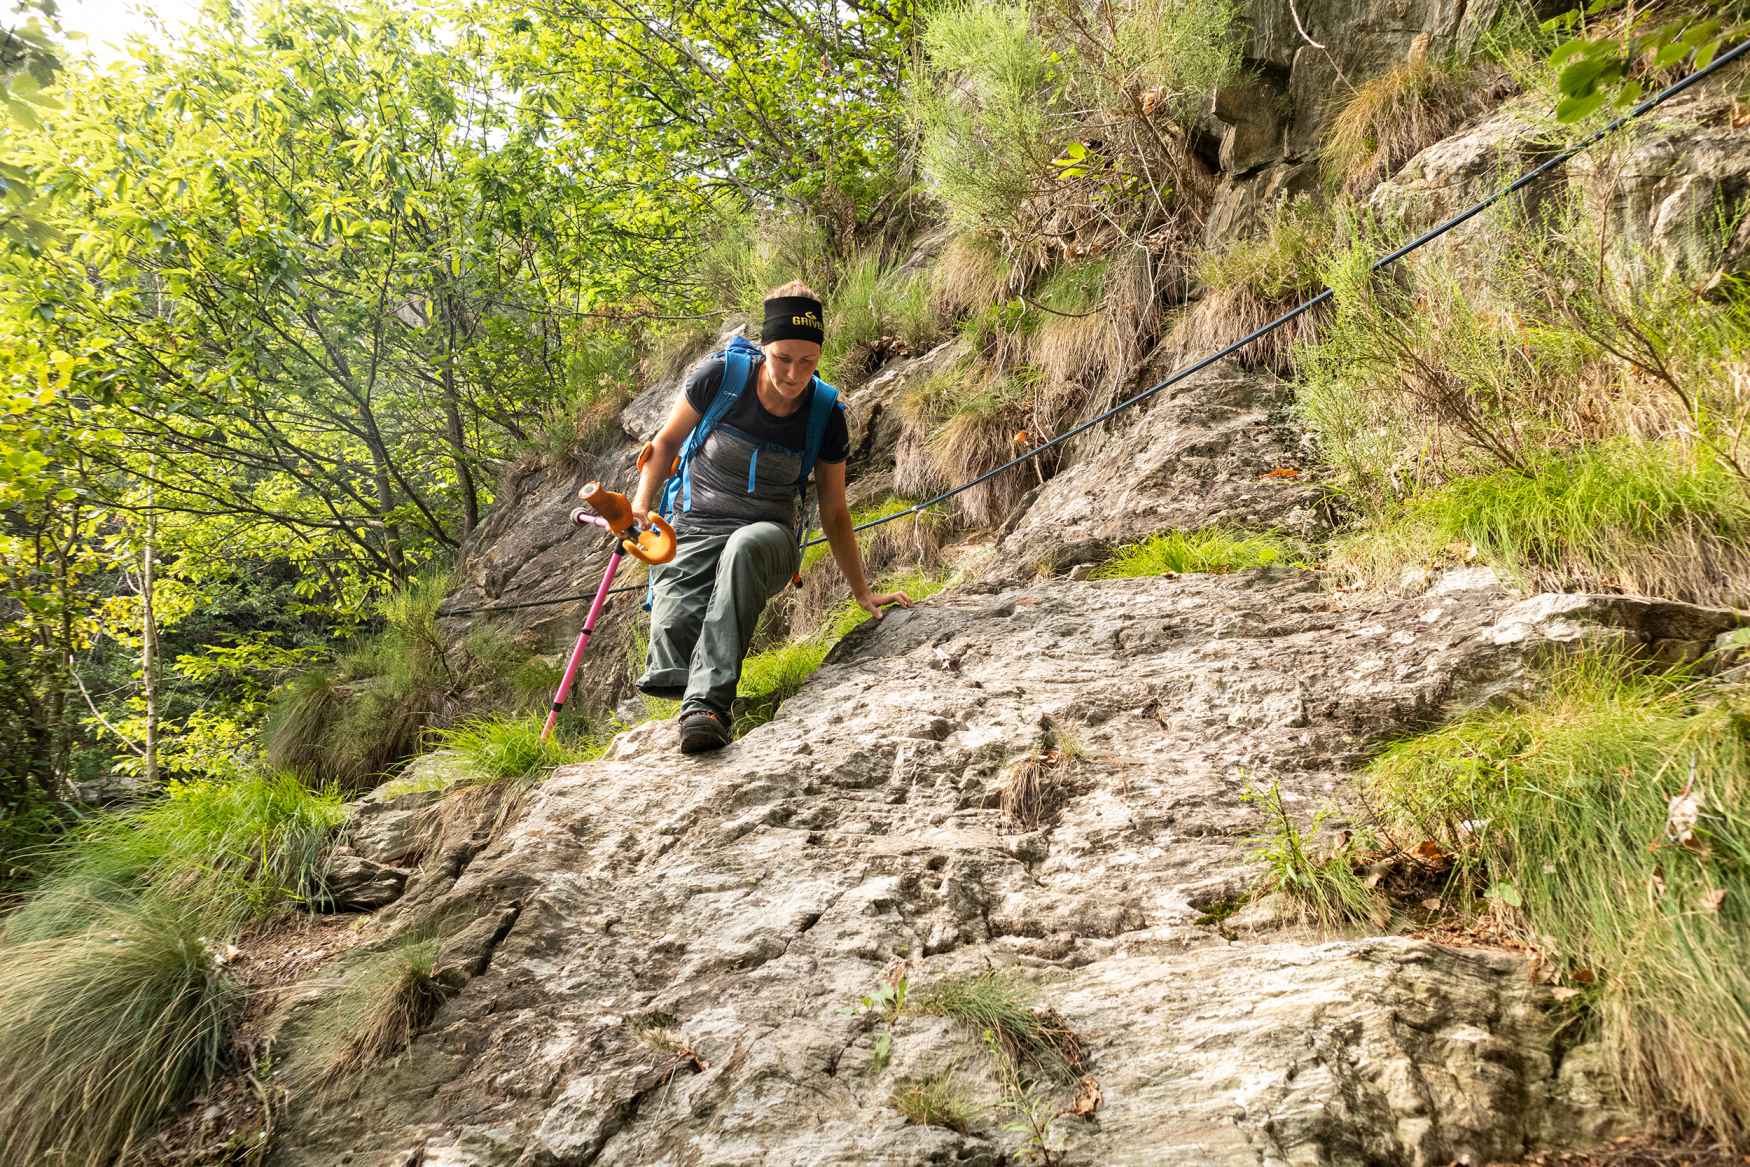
1573, 109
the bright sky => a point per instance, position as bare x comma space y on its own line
107, 23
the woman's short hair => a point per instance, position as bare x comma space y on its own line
793, 288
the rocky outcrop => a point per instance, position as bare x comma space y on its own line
1662, 193
1302, 60
738, 906
1216, 449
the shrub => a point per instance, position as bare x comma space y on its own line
1606, 820
1209, 549
1253, 282
511, 749
106, 1029
750, 254
1650, 518
937, 1099
1394, 116
224, 851
1325, 889
371, 1013
985, 143
1058, 132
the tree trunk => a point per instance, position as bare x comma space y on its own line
453, 422
149, 639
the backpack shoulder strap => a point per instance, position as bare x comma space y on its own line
821, 405
737, 368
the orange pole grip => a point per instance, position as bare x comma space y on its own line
653, 546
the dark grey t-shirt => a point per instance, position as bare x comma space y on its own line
747, 470
753, 419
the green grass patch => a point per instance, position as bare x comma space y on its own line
1325, 888
999, 1006
355, 720
870, 301
1609, 819
372, 1012
1651, 518
224, 851
104, 1031
510, 748
935, 1099
1210, 549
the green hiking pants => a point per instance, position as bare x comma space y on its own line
708, 599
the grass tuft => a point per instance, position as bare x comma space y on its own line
1392, 117
511, 749
1211, 549
877, 313
936, 1099
1253, 282
374, 1010
1647, 518
1001, 1004
105, 1030
226, 852
1607, 820
1327, 890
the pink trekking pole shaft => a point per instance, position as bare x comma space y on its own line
595, 610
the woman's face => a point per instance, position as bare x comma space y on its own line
789, 365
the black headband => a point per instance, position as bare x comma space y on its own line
793, 318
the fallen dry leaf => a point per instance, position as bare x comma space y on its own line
1281, 472
1088, 1098
1682, 812
1711, 900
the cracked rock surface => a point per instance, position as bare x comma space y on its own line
742, 903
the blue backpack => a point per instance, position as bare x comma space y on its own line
738, 361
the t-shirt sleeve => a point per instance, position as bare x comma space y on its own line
703, 383
835, 444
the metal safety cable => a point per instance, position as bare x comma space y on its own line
1428, 236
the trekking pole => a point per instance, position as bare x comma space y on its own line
654, 545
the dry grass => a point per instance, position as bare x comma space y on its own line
1255, 281
1392, 117
981, 436
1038, 782
970, 273
368, 1014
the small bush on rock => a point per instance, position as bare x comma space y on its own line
1326, 889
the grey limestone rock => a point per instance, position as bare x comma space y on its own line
661, 956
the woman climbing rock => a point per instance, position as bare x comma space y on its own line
750, 428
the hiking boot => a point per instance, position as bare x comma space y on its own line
703, 730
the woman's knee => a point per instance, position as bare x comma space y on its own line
757, 539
